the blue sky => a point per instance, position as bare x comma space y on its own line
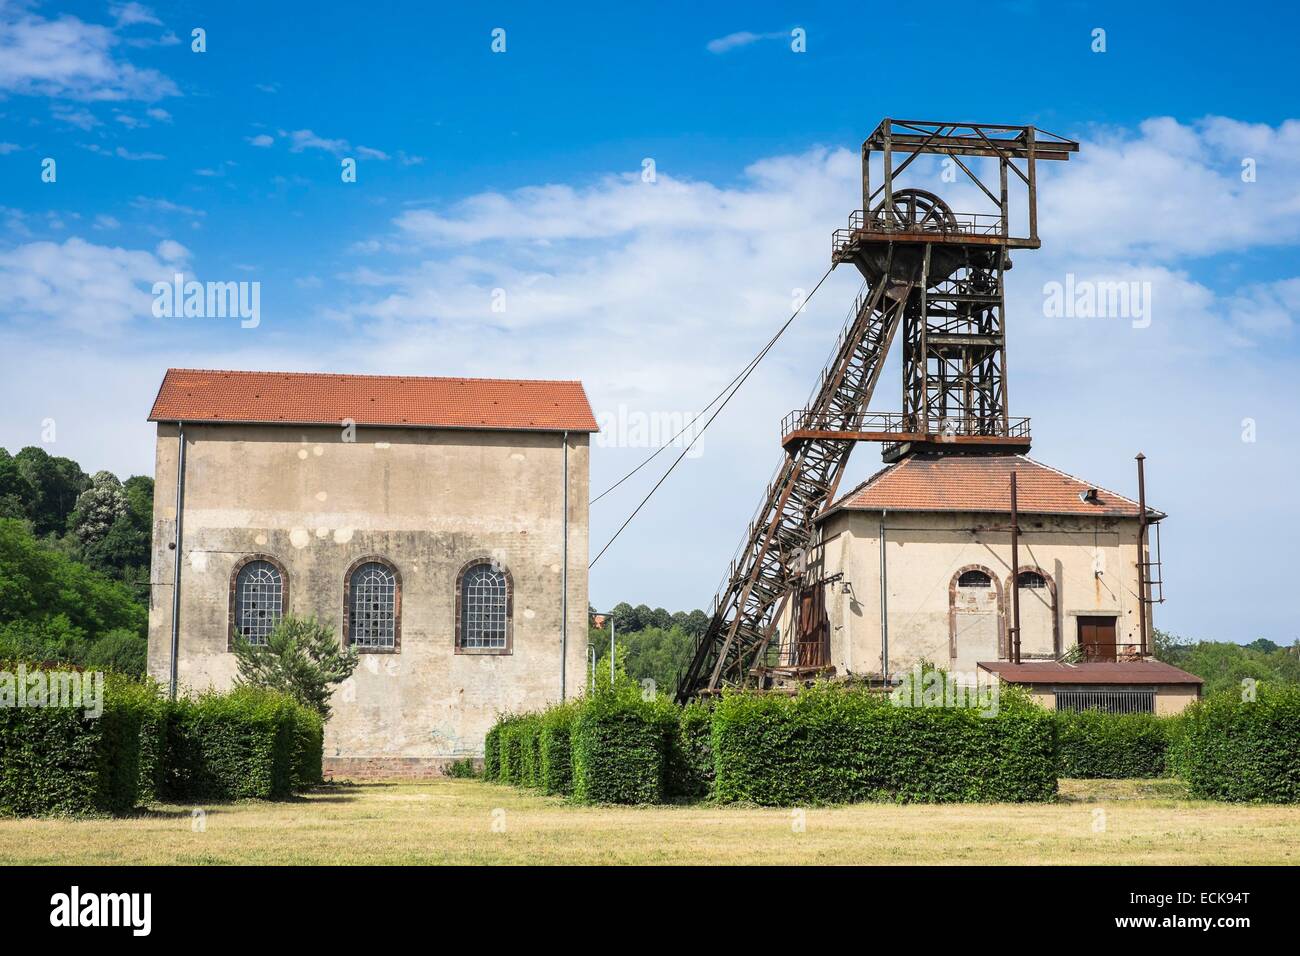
521, 171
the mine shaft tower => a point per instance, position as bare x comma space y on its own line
939, 276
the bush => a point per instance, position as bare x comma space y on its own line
492, 752
690, 754
1097, 744
1243, 751
511, 756
462, 769
555, 739
529, 730
249, 742
832, 745
57, 760
619, 746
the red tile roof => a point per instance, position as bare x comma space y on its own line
319, 398
982, 483
1097, 672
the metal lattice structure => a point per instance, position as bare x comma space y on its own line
484, 610
938, 276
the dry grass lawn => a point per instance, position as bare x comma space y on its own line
452, 821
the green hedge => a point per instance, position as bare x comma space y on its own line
245, 743
60, 760
529, 730
620, 745
1096, 744
690, 754
834, 745
555, 741
492, 752
511, 755
1243, 750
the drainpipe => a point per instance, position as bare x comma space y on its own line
1015, 575
1143, 597
176, 558
564, 576
884, 603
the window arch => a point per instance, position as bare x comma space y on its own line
259, 595
1031, 579
975, 578
484, 608
372, 606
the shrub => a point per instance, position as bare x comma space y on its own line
1098, 744
833, 745
1238, 750
462, 769
246, 743
555, 739
492, 752
512, 750
619, 747
57, 760
309, 748
690, 754
529, 731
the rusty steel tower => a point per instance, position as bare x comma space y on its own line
936, 274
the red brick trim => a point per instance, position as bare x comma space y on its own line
952, 610
234, 579
397, 605
510, 610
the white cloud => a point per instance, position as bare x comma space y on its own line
7, 148
67, 57
733, 41
80, 286
261, 140
303, 139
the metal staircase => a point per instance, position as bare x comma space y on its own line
771, 557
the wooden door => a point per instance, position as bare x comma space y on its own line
1097, 638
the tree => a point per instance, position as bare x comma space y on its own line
301, 657
53, 486
98, 508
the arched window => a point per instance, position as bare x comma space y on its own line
1032, 579
974, 579
372, 605
483, 609
258, 595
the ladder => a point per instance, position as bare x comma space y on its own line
771, 557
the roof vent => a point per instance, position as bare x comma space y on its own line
1089, 496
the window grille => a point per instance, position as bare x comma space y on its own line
1110, 700
372, 607
1032, 579
484, 602
259, 600
974, 579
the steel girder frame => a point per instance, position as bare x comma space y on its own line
747, 607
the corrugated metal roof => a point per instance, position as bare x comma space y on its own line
1097, 672
319, 398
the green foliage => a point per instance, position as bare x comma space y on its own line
690, 754
60, 760
836, 745
511, 749
98, 507
119, 650
462, 769
301, 658
1223, 666
1243, 750
492, 752
1098, 744
250, 742
53, 609
49, 488
529, 730
555, 740
619, 747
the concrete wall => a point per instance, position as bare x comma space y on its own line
427, 500
1090, 562
1170, 699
